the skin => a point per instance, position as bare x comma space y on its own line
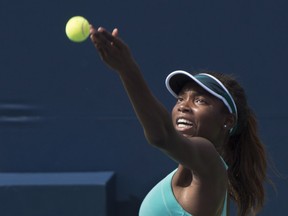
200, 182
205, 116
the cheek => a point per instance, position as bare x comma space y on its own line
211, 119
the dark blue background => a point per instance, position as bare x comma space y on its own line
62, 109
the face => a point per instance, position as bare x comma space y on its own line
198, 113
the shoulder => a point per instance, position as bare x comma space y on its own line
199, 155
199, 196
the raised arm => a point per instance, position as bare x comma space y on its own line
115, 53
195, 153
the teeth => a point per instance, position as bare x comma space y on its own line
183, 126
184, 123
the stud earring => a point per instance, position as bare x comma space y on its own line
225, 126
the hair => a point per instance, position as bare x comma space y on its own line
244, 153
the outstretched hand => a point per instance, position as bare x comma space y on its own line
113, 51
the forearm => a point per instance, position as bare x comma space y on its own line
154, 118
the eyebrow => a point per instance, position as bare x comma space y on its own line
195, 92
199, 92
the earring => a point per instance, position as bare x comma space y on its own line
225, 126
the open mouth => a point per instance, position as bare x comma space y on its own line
184, 123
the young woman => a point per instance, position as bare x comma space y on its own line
212, 135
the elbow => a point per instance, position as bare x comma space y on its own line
159, 132
158, 139
157, 142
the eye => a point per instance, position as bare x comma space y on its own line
201, 101
179, 99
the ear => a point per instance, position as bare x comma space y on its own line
229, 122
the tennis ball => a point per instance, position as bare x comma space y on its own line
77, 29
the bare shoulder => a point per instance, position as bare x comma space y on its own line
198, 155
199, 196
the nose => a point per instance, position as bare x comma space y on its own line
184, 107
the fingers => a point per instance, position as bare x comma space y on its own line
99, 40
111, 37
110, 47
101, 35
104, 42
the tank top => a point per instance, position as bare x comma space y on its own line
160, 201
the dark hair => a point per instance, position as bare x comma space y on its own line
244, 153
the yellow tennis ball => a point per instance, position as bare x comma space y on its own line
77, 29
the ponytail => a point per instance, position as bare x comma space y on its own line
246, 157
245, 154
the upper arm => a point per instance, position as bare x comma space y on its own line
209, 173
196, 153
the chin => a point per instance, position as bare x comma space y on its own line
187, 134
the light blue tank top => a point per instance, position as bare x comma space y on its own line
160, 201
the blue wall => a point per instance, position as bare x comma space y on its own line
62, 109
